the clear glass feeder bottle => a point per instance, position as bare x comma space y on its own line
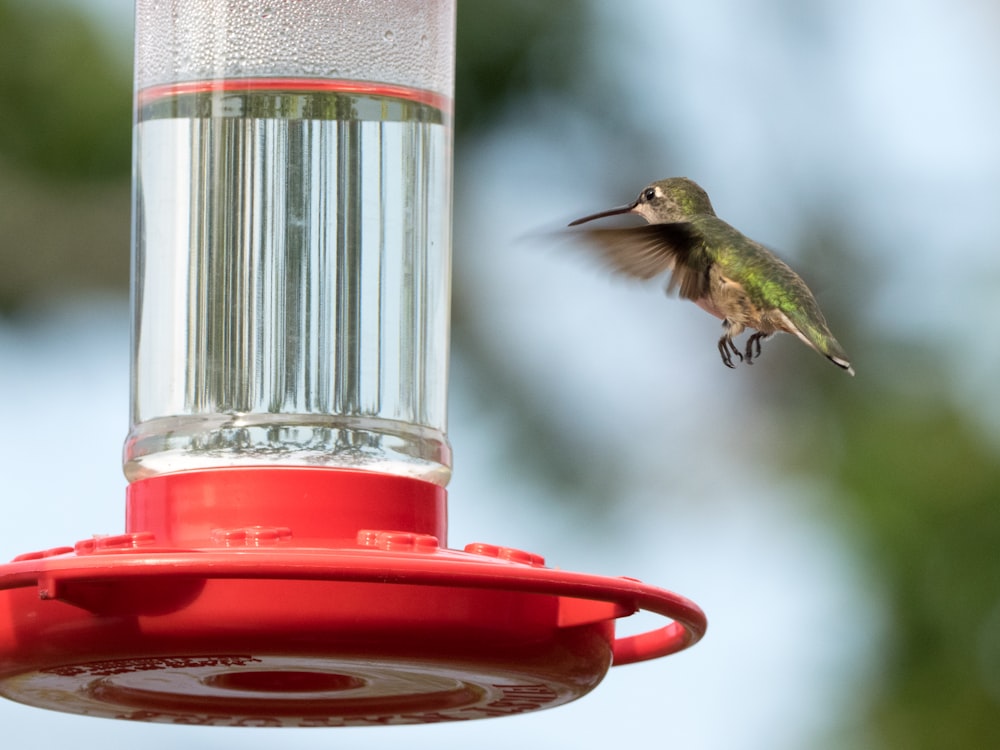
291, 238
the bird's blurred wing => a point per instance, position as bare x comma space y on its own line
648, 251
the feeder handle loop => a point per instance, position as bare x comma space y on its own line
688, 620
687, 628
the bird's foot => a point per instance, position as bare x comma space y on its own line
753, 346
727, 349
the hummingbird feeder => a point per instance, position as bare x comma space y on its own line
284, 560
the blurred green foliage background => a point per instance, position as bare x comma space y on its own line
64, 154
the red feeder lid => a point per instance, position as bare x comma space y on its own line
309, 597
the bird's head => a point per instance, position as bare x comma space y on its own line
663, 202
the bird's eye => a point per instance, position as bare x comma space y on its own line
649, 194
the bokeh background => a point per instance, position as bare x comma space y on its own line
842, 534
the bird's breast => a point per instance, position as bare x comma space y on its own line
706, 304
727, 299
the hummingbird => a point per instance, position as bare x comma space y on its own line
715, 266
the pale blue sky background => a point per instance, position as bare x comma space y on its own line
885, 112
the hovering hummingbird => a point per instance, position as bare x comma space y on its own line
715, 266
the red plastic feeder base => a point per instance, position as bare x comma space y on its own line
309, 597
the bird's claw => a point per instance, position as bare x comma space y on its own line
727, 349
753, 346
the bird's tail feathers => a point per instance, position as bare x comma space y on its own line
842, 363
820, 339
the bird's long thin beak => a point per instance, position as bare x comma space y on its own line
609, 212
